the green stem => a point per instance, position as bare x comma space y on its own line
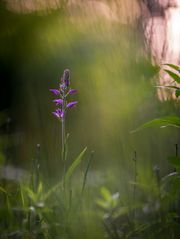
63, 140
63, 137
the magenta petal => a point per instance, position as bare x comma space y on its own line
55, 91
56, 114
72, 91
62, 114
71, 104
59, 113
58, 101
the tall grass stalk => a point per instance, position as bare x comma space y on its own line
86, 171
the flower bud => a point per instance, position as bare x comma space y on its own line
66, 77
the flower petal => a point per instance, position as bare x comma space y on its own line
56, 114
62, 114
71, 104
58, 101
59, 111
72, 91
55, 91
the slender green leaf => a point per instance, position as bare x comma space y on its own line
30, 193
168, 87
163, 122
86, 171
170, 175
40, 188
175, 161
172, 66
3, 190
173, 75
22, 196
74, 165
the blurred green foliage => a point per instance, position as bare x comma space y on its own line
114, 76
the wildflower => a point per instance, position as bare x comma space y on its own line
63, 92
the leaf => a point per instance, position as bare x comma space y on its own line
102, 203
171, 175
173, 75
30, 193
22, 196
40, 188
172, 66
105, 193
177, 93
3, 190
168, 87
163, 122
74, 165
175, 161
86, 171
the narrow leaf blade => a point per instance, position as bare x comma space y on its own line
173, 75
173, 66
163, 122
74, 165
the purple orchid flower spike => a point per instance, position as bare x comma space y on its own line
55, 91
63, 92
71, 104
58, 101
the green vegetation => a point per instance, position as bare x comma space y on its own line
106, 178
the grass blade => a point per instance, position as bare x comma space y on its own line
74, 165
172, 66
163, 122
86, 171
173, 75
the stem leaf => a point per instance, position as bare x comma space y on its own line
163, 122
74, 165
173, 75
172, 66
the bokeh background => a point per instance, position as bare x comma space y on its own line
113, 50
